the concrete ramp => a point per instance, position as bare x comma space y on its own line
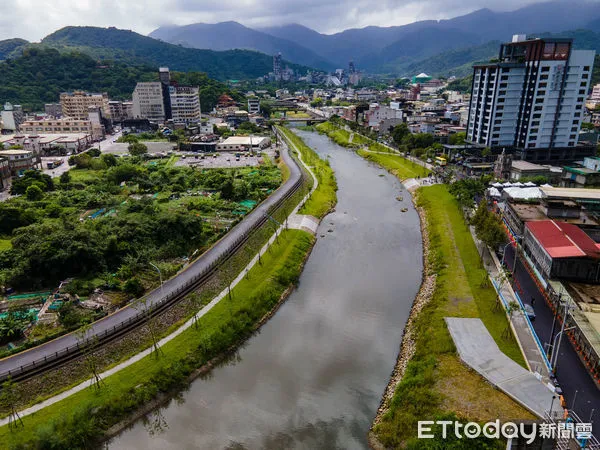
477, 349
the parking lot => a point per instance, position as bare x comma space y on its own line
218, 160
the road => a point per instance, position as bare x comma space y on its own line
14, 362
572, 375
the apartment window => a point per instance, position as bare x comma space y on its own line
585, 76
502, 93
535, 123
504, 78
542, 85
541, 93
543, 77
499, 107
495, 135
580, 99
577, 114
546, 69
532, 138
531, 145
571, 144
578, 107
582, 84
503, 85
494, 142
538, 108
574, 130
533, 131
497, 121
500, 100
573, 136
496, 128
505, 70
539, 100
537, 116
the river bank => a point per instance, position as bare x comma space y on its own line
313, 376
429, 380
73, 422
408, 344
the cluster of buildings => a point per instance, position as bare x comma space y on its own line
558, 230
340, 77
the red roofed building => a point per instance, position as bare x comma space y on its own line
562, 250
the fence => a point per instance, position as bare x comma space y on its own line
254, 221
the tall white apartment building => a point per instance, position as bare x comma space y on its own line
148, 101
531, 101
185, 104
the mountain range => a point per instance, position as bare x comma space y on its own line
387, 50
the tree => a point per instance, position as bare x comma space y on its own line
108, 159
399, 132
65, 178
511, 309
137, 149
486, 152
9, 398
34, 193
457, 138
317, 102
88, 343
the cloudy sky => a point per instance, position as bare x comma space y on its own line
34, 19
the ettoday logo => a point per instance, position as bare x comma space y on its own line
507, 430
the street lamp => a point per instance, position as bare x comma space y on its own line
555, 349
162, 292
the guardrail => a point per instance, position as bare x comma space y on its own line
95, 341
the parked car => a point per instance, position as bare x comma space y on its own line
529, 311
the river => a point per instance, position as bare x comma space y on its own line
314, 375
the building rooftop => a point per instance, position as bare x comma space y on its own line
14, 152
525, 165
243, 140
570, 193
563, 240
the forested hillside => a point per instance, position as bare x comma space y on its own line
41, 74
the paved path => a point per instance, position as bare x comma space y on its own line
527, 340
186, 325
477, 349
208, 258
303, 222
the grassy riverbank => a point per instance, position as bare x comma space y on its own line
82, 419
396, 165
436, 383
324, 198
373, 151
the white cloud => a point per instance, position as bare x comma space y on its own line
34, 19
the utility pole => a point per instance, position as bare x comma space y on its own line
162, 292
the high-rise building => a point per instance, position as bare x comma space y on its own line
148, 101
77, 104
164, 100
185, 104
531, 101
277, 66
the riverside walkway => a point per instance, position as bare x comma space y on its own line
478, 350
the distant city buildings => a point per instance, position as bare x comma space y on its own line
531, 101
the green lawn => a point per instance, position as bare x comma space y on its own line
436, 383
84, 175
324, 198
75, 421
396, 164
